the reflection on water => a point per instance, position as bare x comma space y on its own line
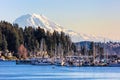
10, 71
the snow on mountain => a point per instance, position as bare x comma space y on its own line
36, 20
77, 37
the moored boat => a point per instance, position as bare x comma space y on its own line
23, 61
41, 61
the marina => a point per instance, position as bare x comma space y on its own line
74, 61
60, 40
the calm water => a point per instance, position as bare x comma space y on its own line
10, 71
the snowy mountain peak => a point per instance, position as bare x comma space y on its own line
36, 20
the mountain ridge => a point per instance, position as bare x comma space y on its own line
36, 20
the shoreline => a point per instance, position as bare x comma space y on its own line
117, 65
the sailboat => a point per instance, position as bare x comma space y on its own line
58, 55
74, 59
86, 57
43, 59
78, 60
104, 62
114, 62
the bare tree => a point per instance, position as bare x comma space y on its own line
22, 51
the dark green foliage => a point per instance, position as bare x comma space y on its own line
29, 38
12, 36
4, 43
0, 40
91, 50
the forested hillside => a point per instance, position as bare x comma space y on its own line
12, 36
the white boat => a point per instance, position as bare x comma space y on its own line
41, 61
73, 61
58, 59
59, 62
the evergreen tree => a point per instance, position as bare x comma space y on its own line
4, 43
12, 36
91, 48
0, 40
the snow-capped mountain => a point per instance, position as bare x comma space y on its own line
36, 20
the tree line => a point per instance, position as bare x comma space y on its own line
12, 36
89, 48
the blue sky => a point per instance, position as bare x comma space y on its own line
99, 17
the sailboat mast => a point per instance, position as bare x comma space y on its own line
86, 54
55, 51
79, 52
104, 49
94, 52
